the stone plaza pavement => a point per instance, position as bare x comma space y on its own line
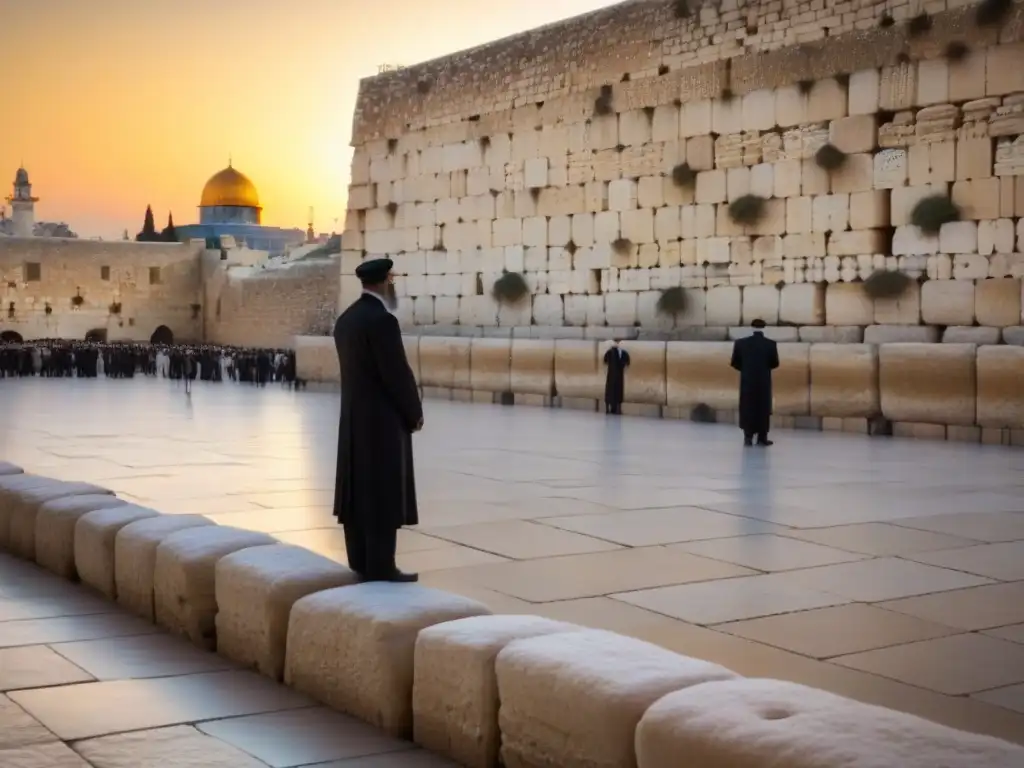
890, 571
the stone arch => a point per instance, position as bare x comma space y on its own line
162, 335
97, 335
11, 337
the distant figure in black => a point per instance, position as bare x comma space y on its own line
755, 357
617, 360
375, 491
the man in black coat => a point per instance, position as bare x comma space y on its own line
755, 357
375, 491
617, 360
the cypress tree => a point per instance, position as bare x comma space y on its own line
170, 234
148, 233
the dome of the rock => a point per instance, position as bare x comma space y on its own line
230, 188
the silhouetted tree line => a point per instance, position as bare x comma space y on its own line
149, 234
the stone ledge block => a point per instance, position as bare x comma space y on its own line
533, 367
255, 590
579, 374
135, 558
832, 334
645, 376
1000, 394
791, 381
844, 380
948, 302
455, 688
604, 682
784, 334
1014, 335
928, 383
412, 354
971, 334
95, 537
444, 362
918, 431
752, 723
6, 468
353, 648
698, 373
20, 499
898, 334
184, 594
490, 365
55, 530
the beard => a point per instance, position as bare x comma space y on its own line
390, 297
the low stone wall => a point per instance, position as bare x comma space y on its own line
956, 391
438, 668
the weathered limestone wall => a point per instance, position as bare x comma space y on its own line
962, 392
254, 307
495, 159
154, 283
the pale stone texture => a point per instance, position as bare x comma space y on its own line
750, 723
896, 334
844, 380
948, 302
53, 755
180, 746
95, 535
184, 597
455, 688
928, 383
611, 680
135, 558
761, 302
848, 304
20, 498
353, 648
55, 530
803, 304
998, 302
1000, 394
255, 590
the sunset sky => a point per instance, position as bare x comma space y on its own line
113, 104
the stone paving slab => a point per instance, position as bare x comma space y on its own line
667, 531
147, 700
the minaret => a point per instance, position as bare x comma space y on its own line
23, 205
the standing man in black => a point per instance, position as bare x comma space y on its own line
375, 492
755, 357
617, 360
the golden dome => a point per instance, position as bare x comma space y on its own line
230, 188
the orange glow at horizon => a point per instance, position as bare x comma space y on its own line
114, 105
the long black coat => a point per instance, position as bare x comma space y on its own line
755, 357
380, 408
617, 360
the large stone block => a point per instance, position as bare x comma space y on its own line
490, 366
791, 381
55, 530
353, 648
802, 304
533, 366
579, 372
1000, 390
574, 699
135, 558
997, 302
844, 380
755, 723
698, 373
95, 536
20, 499
948, 302
184, 594
255, 590
445, 362
455, 687
412, 354
761, 302
928, 383
645, 376
316, 359
905, 310
723, 306
848, 304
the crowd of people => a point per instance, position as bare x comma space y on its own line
63, 358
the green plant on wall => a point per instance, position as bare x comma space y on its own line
886, 284
510, 288
930, 213
683, 175
830, 158
671, 302
747, 210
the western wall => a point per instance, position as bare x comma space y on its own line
125, 291
602, 160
